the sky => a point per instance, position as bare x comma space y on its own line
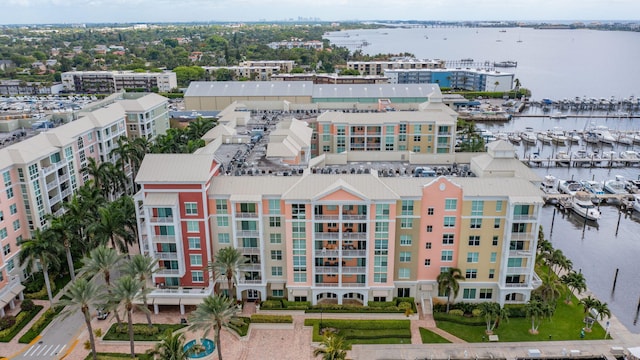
140, 11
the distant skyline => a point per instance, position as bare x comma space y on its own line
130, 11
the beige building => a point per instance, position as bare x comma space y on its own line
285, 66
379, 67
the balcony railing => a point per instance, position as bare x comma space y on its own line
522, 236
164, 239
247, 215
354, 236
161, 219
353, 284
518, 270
327, 235
354, 217
251, 267
354, 269
247, 233
168, 272
246, 281
326, 253
354, 253
326, 217
524, 217
250, 251
516, 253
326, 269
167, 255
333, 285
516, 285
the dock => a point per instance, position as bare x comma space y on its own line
580, 162
564, 200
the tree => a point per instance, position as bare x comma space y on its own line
575, 282
588, 303
550, 289
332, 347
602, 310
495, 85
109, 228
489, 310
63, 230
127, 291
141, 267
45, 249
170, 347
102, 260
471, 139
228, 262
448, 283
214, 313
536, 310
81, 295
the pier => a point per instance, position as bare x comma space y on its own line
580, 162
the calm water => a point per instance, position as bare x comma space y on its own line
553, 64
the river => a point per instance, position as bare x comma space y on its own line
554, 64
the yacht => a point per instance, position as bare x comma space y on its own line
557, 136
563, 158
544, 137
515, 138
624, 139
569, 187
581, 204
594, 188
636, 202
558, 115
590, 137
629, 155
529, 137
616, 186
549, 187
604, 135
572, 136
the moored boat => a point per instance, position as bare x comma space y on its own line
569, 186
515, 138
636, 202
557, 136
581, 204
544, 137
529, 137
616, 186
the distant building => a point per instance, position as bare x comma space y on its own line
468, 79
378, 67
6, 65
19, 87
311, 45
105, 82
332, 78
254, 73
285, 65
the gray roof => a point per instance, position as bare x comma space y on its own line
176, 168
249, 88
377, 91
391, 117
144, 103
251, 185
316, 186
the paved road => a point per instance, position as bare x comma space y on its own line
58, 338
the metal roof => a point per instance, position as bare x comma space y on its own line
249, 88
378, 91
175, 168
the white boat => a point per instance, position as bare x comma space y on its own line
557, 136
572, 136
624, 139
544, 137
563, 158
581, 204
549, 187
558, 115
636, 202
629, 155
515, 138
616, 186
502, 136
590, 137
604, 135
529, 137
569, 187
594, 188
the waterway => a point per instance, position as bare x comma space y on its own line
553, 64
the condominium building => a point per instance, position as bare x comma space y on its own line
41, 173
106, 82
285, 66
253, 73
468, 79
311, 45
147, 115
378, 67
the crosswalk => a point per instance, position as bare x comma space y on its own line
44, 350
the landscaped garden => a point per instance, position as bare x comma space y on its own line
10, 326
363, 331
141, 332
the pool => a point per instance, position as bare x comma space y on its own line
208, 344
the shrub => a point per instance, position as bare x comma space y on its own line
296, 305
410, 300
22, 320
240, 325
404, 306
457, 312
7, 322
476, 312
516, 310
138, 329
27, 305
271, 304
271, 319
40, 324
381, 304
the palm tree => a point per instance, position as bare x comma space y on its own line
550, 289
536, 310
109, 228
214, 313
63, 229
228, 262
102, 260
46, 250
98, 173
588, 303
126, 291
503, 314
448, 283
81, 295
142, 268
489, 310
495, 85
332, 347
171, 347
124, 152
127, 209
602, 310
575, 282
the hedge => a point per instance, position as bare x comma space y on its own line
40, 324
381, 304
458, 319
22, 320
271, 319
118, 356
361, 324
350, 334
141, 332
240, 325
370, 331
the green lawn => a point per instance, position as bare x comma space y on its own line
141, 332
564, 325
429, 337
365, 331
117, 356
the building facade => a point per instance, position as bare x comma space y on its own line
468, 79
379, 67
106, 82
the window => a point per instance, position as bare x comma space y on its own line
10, 265
9, 193
1, 216
447, 239
430, 211
191, 208
521, 210
486, 293
274, 221
277, 293
276, 254
404, 273
514, 262
477, 207
471, 274
195, 260
13, 209
449, 221
194, 243
447, 255
406, 223
450, 204
476, 223
492, 273
224, 238
221, 206
405, 240
275, 238
469, 294
6, 249
3, 233
493, 257
498, 206
223, 221
429, 228
405, 256
407, 207
299, 276
427, 245
474, 240
494, 242
472, 257
16, 225
197, 276
276, 271
298, 211
193, 226
416, 149
382, 211
274, 206
325, 148
427, 262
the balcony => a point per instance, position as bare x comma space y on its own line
251, 267
247, 215
326, 269
163, 272
249, 281
326, 217
326, 253
247, 234
518, 270
327, 236
353, 284
164, 239
166, 255
518, 253
354, 217
354, 253
516, 285
354, 236
522, 236
524, 218
250, 251
332, 285
354, 269
165, 219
